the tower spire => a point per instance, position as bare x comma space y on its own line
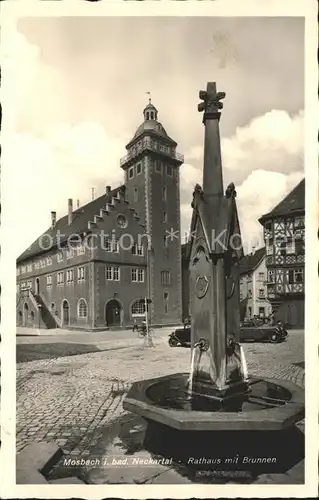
149, 98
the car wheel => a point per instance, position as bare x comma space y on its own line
274, 337
172, 342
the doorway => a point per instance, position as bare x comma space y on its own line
25, 314
65, 313
113, 313
291, 317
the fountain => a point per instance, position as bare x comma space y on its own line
217, 394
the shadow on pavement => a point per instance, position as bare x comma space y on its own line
209, 458
32, 352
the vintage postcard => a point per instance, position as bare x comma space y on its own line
159, 193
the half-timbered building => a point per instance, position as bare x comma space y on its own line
284, 235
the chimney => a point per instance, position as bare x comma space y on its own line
53, 220
253, 250
77, 204
70, 208
107, 189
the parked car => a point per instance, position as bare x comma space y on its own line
263, 333
180, 337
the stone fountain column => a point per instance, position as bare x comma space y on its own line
214, 269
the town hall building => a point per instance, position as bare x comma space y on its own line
94, 267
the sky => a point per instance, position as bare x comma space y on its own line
77, 89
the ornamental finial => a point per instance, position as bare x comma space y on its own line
211, 100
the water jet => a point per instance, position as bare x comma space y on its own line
217, 396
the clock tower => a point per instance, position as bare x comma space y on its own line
152, 182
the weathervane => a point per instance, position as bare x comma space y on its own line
149, 99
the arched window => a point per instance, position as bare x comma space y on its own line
138, 307
32, 315
82, 309
52, 307
147, 116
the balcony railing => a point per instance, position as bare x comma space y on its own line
151, 147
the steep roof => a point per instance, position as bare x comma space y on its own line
79, 225
293, 202
249, 262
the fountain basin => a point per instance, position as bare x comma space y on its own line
270, 405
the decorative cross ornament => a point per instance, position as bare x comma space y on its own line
211, 98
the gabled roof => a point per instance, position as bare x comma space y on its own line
249, 262
293, 202
79, 225
219, 220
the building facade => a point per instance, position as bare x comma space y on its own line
284, 234
94, 267
253, 289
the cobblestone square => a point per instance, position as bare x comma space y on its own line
72, 400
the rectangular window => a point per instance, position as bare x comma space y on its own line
165, 277
291, 276
261, 312
164, 217
166, 295
165, 308
112, 273
137, 249
138, 168
60, 278
49, 281
30, 284
299, 276
290, 247
249, 294
158, 166
169, 170
107, 244
137, 275
261, 276
80, 274
164, 193
70, 276
261, 293
109, 273
29, 268
131, 173
299, 223
165, 241
59, 257
269, 249
115, 246
116, 274
271, 276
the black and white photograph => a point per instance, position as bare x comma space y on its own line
154, 180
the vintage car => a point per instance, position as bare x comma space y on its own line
253, 333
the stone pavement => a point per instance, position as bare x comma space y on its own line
72, 400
